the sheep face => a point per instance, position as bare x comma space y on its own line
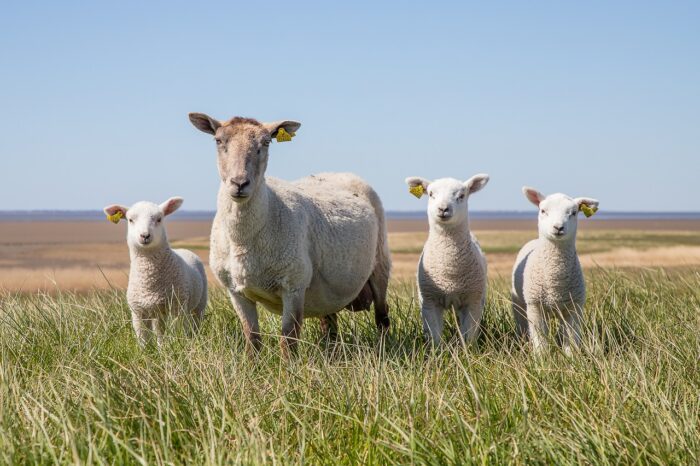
242, 147
558, 213
447, 197
145, 222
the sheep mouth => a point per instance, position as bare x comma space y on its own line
239, 197
444, 217
145, 242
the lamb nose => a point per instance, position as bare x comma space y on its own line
145, 235
559, 228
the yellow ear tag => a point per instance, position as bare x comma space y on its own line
116, 217
417, 190
283, 136
588, 211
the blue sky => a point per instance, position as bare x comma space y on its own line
593, 98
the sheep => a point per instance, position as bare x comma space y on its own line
163, 282
452, 267
307, 248
547, 276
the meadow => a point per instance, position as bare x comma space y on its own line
75, 387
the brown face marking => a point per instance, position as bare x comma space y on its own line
242, 145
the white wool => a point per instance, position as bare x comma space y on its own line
162, 282
547, 276
307, 248
452, 268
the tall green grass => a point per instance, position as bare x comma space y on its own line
74, 386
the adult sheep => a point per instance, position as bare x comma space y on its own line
307, 248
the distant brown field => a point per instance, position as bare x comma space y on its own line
81, 255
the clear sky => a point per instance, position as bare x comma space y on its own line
594, 98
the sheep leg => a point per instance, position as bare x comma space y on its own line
520, 315
158, 327
379, 282
141, 328
469, 318
292, 317
248, 315
432, 322
329, 326
537, 325
195, 318
569, 333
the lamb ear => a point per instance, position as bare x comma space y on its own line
204, 122
533, 195
587, 201
115, 212
171, 205
413, 181
476, 183
289, 126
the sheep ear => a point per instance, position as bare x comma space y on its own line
413, 181
115, 212
289, 126
533, 195
587, 201
171, 205
476, 183
204, 122
417, 185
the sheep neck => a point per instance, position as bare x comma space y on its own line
562, 249
247, 220
457, 234
149, 263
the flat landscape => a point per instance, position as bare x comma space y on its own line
86, 255
76, 389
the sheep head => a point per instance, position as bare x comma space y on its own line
242, 146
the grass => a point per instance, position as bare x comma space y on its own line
74, 387
510, 242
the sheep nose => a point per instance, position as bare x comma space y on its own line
239, 183
559, 228
444, 210
145, 236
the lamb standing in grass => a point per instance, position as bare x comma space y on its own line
547, 277
452, 267
307, 248
163, 282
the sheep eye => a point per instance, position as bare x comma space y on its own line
218, 141
158, 220
430, 194
131, 220
258, 151
543, 211
461, 197
266, 142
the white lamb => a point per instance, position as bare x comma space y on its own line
163, 282
307, 248
547, 276
452, 267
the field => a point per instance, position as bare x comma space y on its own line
74, 387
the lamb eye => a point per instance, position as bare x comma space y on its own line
158, 220
543, 211
430, 194
461, 196
131, 220
258, 151
218, 141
